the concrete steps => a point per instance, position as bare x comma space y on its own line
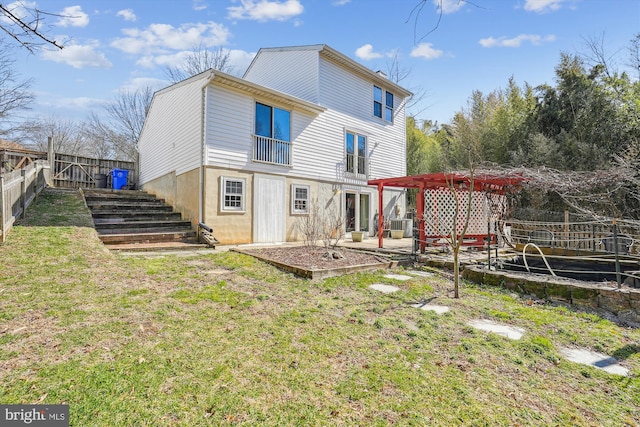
135, 220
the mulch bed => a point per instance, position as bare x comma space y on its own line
316, 257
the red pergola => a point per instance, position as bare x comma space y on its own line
485, 182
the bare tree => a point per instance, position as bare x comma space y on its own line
14, 92
127, 114
100, 138
326, 225
23, 23
418, 9
198, 60
398, 74
67, 135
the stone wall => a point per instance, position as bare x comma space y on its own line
624, 303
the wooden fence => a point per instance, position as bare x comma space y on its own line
17, 190
578, 237
69, 171
86, 172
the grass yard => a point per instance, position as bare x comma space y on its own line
227, 340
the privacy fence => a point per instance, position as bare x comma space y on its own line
24, 173
17, 190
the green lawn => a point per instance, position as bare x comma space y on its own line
227, 340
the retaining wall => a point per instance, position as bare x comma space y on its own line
624, 302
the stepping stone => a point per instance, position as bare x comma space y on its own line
511, 332
401, 277
422, 273
385, 289
439, 309
597, 360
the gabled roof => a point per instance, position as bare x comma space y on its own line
215, 76
343, 60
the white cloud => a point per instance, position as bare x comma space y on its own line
517, 41
73, 16
199, 5
239, 60
78, 56
20, 9
81, 103
448, 6
366, 53
139, 83
542, 6
169, 59
160, 37
341, 2
265, 10
426, 51
127, 14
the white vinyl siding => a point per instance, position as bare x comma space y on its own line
170, 140
298, 78
318, 141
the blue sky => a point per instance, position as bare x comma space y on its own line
115, 45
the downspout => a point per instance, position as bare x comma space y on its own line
203, 145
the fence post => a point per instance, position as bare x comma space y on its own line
615, 250
51, 157
2, 213
23, 192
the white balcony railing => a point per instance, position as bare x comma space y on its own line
357, 165
269, 150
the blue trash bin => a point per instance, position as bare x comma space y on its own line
119, 178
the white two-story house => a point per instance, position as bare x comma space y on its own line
248, 156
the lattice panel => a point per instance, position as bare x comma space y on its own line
439, 211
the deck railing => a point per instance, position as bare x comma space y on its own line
270, 150
356, 165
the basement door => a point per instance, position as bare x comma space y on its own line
269, 209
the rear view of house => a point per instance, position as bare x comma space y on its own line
248, 156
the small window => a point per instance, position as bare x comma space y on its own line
233, 194
378, 104
389, 107
377, 101
299, 199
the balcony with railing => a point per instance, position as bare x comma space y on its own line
356, 166
270, 150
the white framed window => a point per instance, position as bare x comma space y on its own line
232, 194
356, 153
383, 104
272, 137
300, 195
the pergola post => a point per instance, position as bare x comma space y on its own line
380, 215
420, 217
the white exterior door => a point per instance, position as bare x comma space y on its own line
269, 209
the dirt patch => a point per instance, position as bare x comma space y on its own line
314, 258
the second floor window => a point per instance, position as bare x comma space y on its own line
272, 140
356, 148
382, 104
